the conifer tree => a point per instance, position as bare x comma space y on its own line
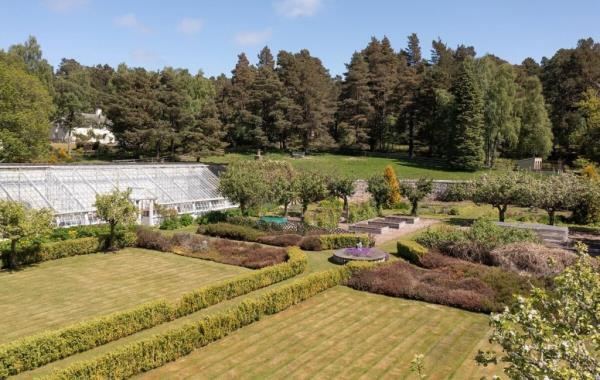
467, 135
390, 176
355, 109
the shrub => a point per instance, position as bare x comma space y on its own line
284, 240
157, 350
37, 350
411, 250
446, 281
455, 192
311, 243
56, 250
327, 214
361, 211
252, 256
476, 243
533, 259
231, 231
454, 211
213, 217
171, 223
336, 241
186, 220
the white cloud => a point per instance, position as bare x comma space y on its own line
298, 8
130, 21
253, 37
64, 5
190, 25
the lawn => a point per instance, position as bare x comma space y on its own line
356, 166
60, 292
343, 333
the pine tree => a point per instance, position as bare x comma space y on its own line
266, 91
355, 109
246, 125
467, 134
383, 80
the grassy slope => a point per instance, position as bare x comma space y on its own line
357, 167
61, 292
343, 333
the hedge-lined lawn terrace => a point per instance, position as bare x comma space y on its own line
343, 333
60, 292
356, 166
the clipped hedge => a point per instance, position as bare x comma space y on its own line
37, 350
336, 241
67, 248
411, 251
160, 349
231, 231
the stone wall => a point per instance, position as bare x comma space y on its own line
439, 186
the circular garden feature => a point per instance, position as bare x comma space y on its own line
344, 255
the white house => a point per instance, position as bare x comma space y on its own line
95, 128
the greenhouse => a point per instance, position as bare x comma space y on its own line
70, 190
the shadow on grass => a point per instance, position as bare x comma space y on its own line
460, 222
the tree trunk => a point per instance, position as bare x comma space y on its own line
12, 257
502, 212
415, 207
111, 237
346, 209
411, 140
304, 208
285, 209
551, 217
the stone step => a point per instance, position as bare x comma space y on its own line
384, 223
403, 218
368, 228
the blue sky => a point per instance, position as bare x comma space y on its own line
209, 34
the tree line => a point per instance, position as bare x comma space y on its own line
464, 109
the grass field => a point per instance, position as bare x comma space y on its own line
342, 334
356, 167
60, 292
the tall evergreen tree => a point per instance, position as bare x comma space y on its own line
355, 109
467, 135
246, 124
383, 81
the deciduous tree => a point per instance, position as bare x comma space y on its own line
116, 209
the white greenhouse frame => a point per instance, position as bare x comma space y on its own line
70, 190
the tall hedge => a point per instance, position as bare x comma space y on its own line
40, 349
160, 349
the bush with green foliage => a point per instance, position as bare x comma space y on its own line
337, 241
361, 211
212, 217
231, 231
416, 192
411, 251
157, 350
476, 243
554, 333
456, 192
380, 190
37, 350
171, 223
186, 220
327, 213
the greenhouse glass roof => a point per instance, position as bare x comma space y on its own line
70, 190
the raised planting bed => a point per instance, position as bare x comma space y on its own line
363, 227
381, 222
344, 255
549, 234
402, 218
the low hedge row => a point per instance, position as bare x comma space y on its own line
336, 241
37, 350
67, 248
411, 251
160, 349
231, 231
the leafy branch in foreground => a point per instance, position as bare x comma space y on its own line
553, 334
